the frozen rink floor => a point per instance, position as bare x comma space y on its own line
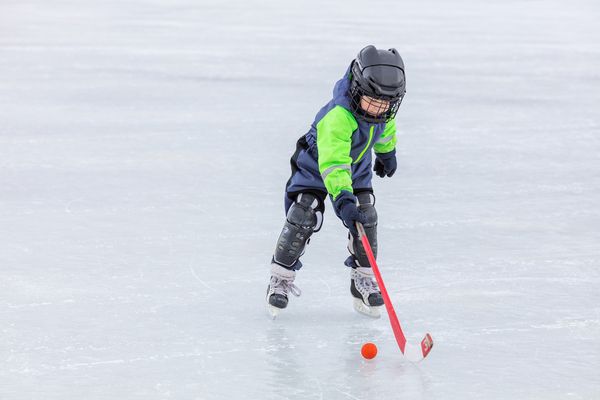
144, 147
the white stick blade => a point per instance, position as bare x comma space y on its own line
416, 353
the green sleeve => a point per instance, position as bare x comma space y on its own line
334, 142
387, 141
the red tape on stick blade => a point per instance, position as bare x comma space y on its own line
426, 345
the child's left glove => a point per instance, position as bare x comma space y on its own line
385, 164
346, 208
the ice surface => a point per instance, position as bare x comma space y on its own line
144, 147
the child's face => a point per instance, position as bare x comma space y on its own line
374, 107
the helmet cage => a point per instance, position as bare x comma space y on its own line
356, 93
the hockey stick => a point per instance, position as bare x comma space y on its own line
411, 351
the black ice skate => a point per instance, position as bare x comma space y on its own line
282, 283
364, 289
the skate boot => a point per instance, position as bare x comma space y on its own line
281, 284
364, 289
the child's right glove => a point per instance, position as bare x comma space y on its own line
385, 164
346, 209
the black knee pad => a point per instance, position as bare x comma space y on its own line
303, 218
366, 204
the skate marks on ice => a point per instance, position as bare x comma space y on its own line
313, 348
122, 149
305, 362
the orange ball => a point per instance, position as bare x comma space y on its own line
368, 350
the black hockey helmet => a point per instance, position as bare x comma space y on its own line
378, 74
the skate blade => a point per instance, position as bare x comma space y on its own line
272, 311
369, 311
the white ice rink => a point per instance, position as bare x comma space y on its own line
144, 148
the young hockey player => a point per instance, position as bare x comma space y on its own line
334, 158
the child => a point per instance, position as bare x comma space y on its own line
334, 158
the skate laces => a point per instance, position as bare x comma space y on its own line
283, 286
365, 282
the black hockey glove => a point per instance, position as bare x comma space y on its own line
385, 164
346, 209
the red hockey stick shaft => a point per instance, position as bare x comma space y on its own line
416, 353
400, 338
